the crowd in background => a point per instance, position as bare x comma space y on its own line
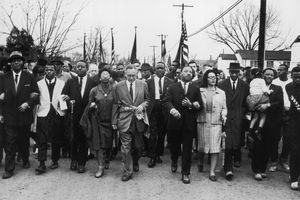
87, 109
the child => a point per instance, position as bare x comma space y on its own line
258, 95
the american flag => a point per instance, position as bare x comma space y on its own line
183, 50
112, 49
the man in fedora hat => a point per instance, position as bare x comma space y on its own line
236, 91
19, 92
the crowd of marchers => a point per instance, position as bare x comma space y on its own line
139, 110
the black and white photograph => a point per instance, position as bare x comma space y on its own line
149, 100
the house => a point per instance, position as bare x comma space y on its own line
272, 58
224, 60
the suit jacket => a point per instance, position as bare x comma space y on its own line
14, 98
219, 109
122, 113
236, 106
151, 89
276, 102
45, 101
174, 98
72, 89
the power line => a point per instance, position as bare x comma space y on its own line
211, 22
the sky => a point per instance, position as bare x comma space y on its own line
154, 17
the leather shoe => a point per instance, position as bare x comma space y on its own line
186, 179
81, 169
26, 165
229, 175
151, 163
126, 177
136, 167
54, 165
40, 170
212, 178
158, 160
174, 167
100, 172
7, 175
73, 165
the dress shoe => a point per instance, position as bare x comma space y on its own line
40, 170
295, 185
126, 177
263, 175
106, 165
7, 175
158, 160
212, 177
73, 165
273, 167
26, 165
136, 167
258, 177
100, 172
174, 167
229, 175
186, 179
237, 164
285, 166
81, 169
151, 163
54, 165
200, 168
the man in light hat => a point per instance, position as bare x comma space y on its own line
236, 91
19, 92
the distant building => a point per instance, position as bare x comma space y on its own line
272, 58
224, 60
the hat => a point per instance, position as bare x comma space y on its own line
234, 67
56, 60
15, 55
145, 67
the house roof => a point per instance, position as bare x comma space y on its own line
225, 56
270, 55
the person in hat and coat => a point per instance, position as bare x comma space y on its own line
236, 91
19, 92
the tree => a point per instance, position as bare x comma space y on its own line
240, 30
46, 22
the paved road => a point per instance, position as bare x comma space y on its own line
156, 183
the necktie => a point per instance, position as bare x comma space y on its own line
233, 87
16, 78
185, 88
131, 91
160, 86
80, 83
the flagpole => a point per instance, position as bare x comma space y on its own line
112, 61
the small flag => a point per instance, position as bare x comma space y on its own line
112, 49
182, 55
84, 48
163, 48
133, 52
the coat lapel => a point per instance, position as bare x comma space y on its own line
12, 83
21, 82
44, 87
137, 90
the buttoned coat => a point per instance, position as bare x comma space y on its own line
236, 106
122, 108
219, 108
13, 98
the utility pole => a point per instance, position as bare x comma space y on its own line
162, 37
182, 8
262, 34
153, 46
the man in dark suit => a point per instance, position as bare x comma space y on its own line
236, 91
158, 117
19, 92
182, 101
267, 147
77, 91
129, 116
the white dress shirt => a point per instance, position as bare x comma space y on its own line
133, 88
84, 79
186, 88
156, 86
235, 83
